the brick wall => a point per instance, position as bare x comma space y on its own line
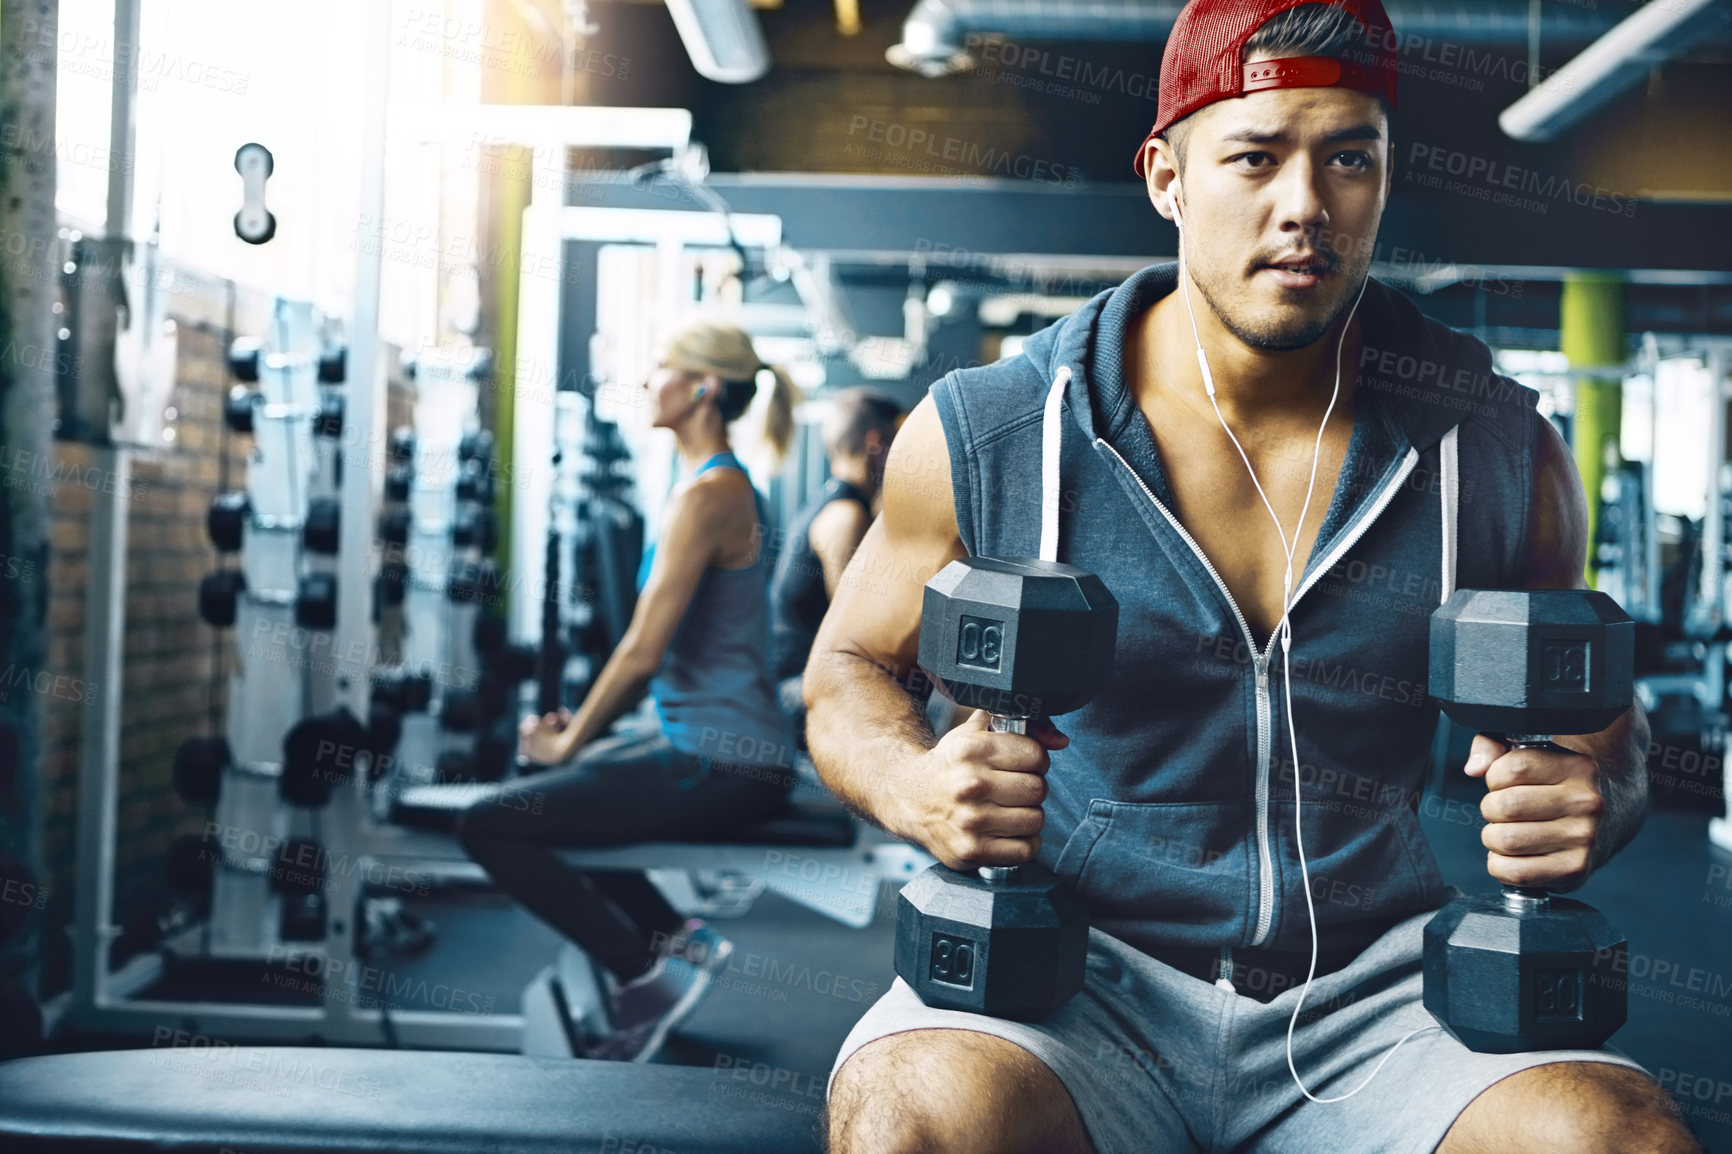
167, 690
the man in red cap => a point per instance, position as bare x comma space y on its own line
1279, 468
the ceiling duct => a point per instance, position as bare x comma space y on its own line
1616, 62
723, 39
938, 34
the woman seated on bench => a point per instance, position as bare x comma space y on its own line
722, 755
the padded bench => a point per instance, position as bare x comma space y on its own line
819, 823
810, 852
263, 1100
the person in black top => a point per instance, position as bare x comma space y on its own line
824, 535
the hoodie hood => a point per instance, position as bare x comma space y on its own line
1404, 358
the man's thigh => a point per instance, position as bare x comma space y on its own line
1349, 1024
1574, 1107
1135, 1063
951, 1090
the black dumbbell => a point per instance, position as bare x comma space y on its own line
476, 445
316, 601
226, 521
319, 753
328, 422
241, 407
299, 868
401, 447
333, 365
391, 586
475, 483
403, 691
1524, 970
190, 865
219, 596
322, 531
489, 632
399, 479
417, 691
455, 767
476, 528
244, 356
461, 711
1021, 640
515, 663
394, 526
384, 729
463, 583
303, 918
199, 765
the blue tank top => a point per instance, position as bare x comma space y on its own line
714, 693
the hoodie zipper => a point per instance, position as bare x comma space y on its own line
1260, 664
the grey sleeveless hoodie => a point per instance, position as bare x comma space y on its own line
1172, 809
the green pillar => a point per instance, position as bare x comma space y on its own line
1591, 335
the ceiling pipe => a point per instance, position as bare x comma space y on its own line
938, 34
1654, 33
723, 39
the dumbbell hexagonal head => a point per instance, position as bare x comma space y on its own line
1022, 638
1532, 661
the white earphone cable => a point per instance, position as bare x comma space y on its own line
1284, 629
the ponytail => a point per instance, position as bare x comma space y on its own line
779, 411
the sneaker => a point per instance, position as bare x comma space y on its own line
645, 1010
391, 929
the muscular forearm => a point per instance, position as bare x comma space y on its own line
865, 732
1621, 753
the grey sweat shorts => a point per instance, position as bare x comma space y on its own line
1158, 1061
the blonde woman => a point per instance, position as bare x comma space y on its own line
721, 755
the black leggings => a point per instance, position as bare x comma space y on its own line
621, 790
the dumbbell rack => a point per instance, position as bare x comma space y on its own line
439, 628
598, 543
278, 678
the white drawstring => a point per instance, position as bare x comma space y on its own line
1051, 437
1448, 468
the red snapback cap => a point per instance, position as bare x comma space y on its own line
1201, 63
